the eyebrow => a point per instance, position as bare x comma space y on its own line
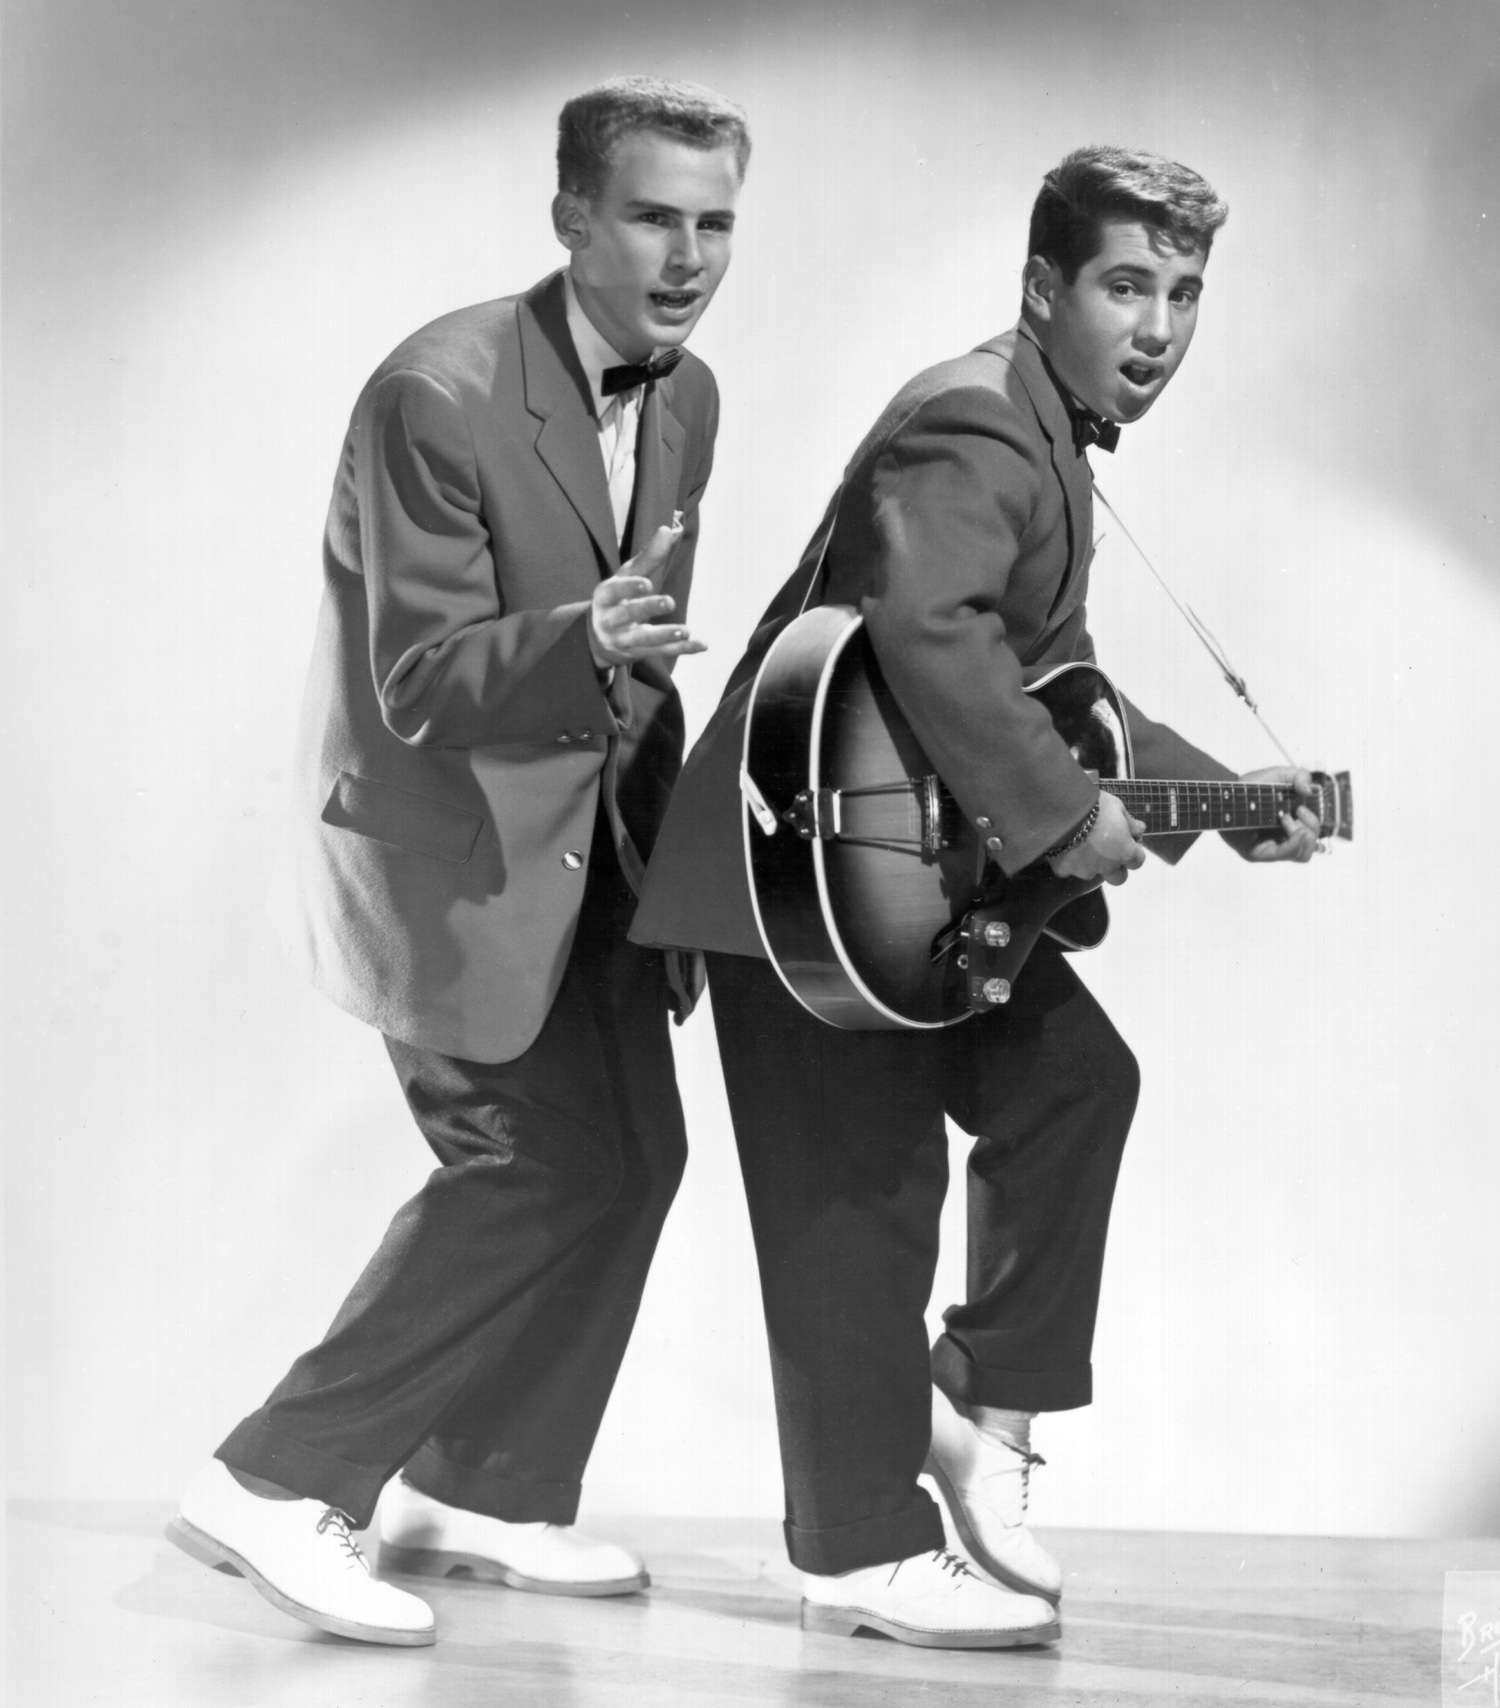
1134, 270
645, 206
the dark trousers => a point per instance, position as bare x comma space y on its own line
843, 1147
480, 1344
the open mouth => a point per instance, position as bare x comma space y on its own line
675, 301
1139, 373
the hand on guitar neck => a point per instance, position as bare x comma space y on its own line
1299, 836
1112, 850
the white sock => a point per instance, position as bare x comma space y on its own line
1013, 1427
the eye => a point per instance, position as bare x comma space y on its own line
724, 226
653, 216
1123, 289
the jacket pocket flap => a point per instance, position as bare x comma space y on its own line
416, 823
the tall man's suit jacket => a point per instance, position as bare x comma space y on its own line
963, 534
456, 740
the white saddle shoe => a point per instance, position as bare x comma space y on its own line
984, 1483
931, 1600
300, 1555
422, 1536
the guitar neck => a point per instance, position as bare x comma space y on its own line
1172, 808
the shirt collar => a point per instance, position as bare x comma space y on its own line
1075, 409
595, 352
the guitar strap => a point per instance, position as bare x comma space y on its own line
1201, 629
1198, 626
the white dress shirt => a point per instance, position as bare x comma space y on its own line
618, 417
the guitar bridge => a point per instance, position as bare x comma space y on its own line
863, 816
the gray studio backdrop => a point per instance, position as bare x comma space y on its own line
219, 217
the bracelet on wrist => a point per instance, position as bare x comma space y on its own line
1079, 835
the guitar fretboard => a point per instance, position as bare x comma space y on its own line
1169, 807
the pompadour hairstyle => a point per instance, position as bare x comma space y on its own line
592, 123
1093, 185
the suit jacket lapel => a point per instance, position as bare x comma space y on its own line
1071, 469
557, 394
658, 466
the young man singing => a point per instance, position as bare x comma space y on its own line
962, 533
489, 739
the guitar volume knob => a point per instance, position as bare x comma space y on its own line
996, 935
995, 991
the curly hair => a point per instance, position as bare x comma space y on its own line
592, 123
1093, 185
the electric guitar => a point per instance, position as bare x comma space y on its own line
873, 894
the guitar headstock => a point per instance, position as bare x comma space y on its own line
1333, 801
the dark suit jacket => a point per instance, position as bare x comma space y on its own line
456, 742
963, 534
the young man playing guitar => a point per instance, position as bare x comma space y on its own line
962, 534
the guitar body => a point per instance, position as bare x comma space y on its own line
862, 868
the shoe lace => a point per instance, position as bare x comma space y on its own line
1028, 1459
342, 1527
947, 1561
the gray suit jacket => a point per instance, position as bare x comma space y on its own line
456, 743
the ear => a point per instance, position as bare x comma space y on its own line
1038, 285
570, 220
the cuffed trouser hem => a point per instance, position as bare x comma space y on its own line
306, 1471
961, 1378
496, 1497
915, 1529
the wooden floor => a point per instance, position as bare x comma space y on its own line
100, 1609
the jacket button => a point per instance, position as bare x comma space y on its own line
565, 737
573, 860
994, 845
585, 735
983, 822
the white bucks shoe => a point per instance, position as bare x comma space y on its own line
423, 1536
984, 1482
931, 1600
300, 1555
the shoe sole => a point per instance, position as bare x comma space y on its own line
970, 1538
203, 1548
440, 1563
846, 1621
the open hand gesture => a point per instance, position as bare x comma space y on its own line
628, 617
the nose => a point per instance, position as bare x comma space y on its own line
685, 256
1153, 331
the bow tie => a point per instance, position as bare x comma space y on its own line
639, 373
1090, 429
